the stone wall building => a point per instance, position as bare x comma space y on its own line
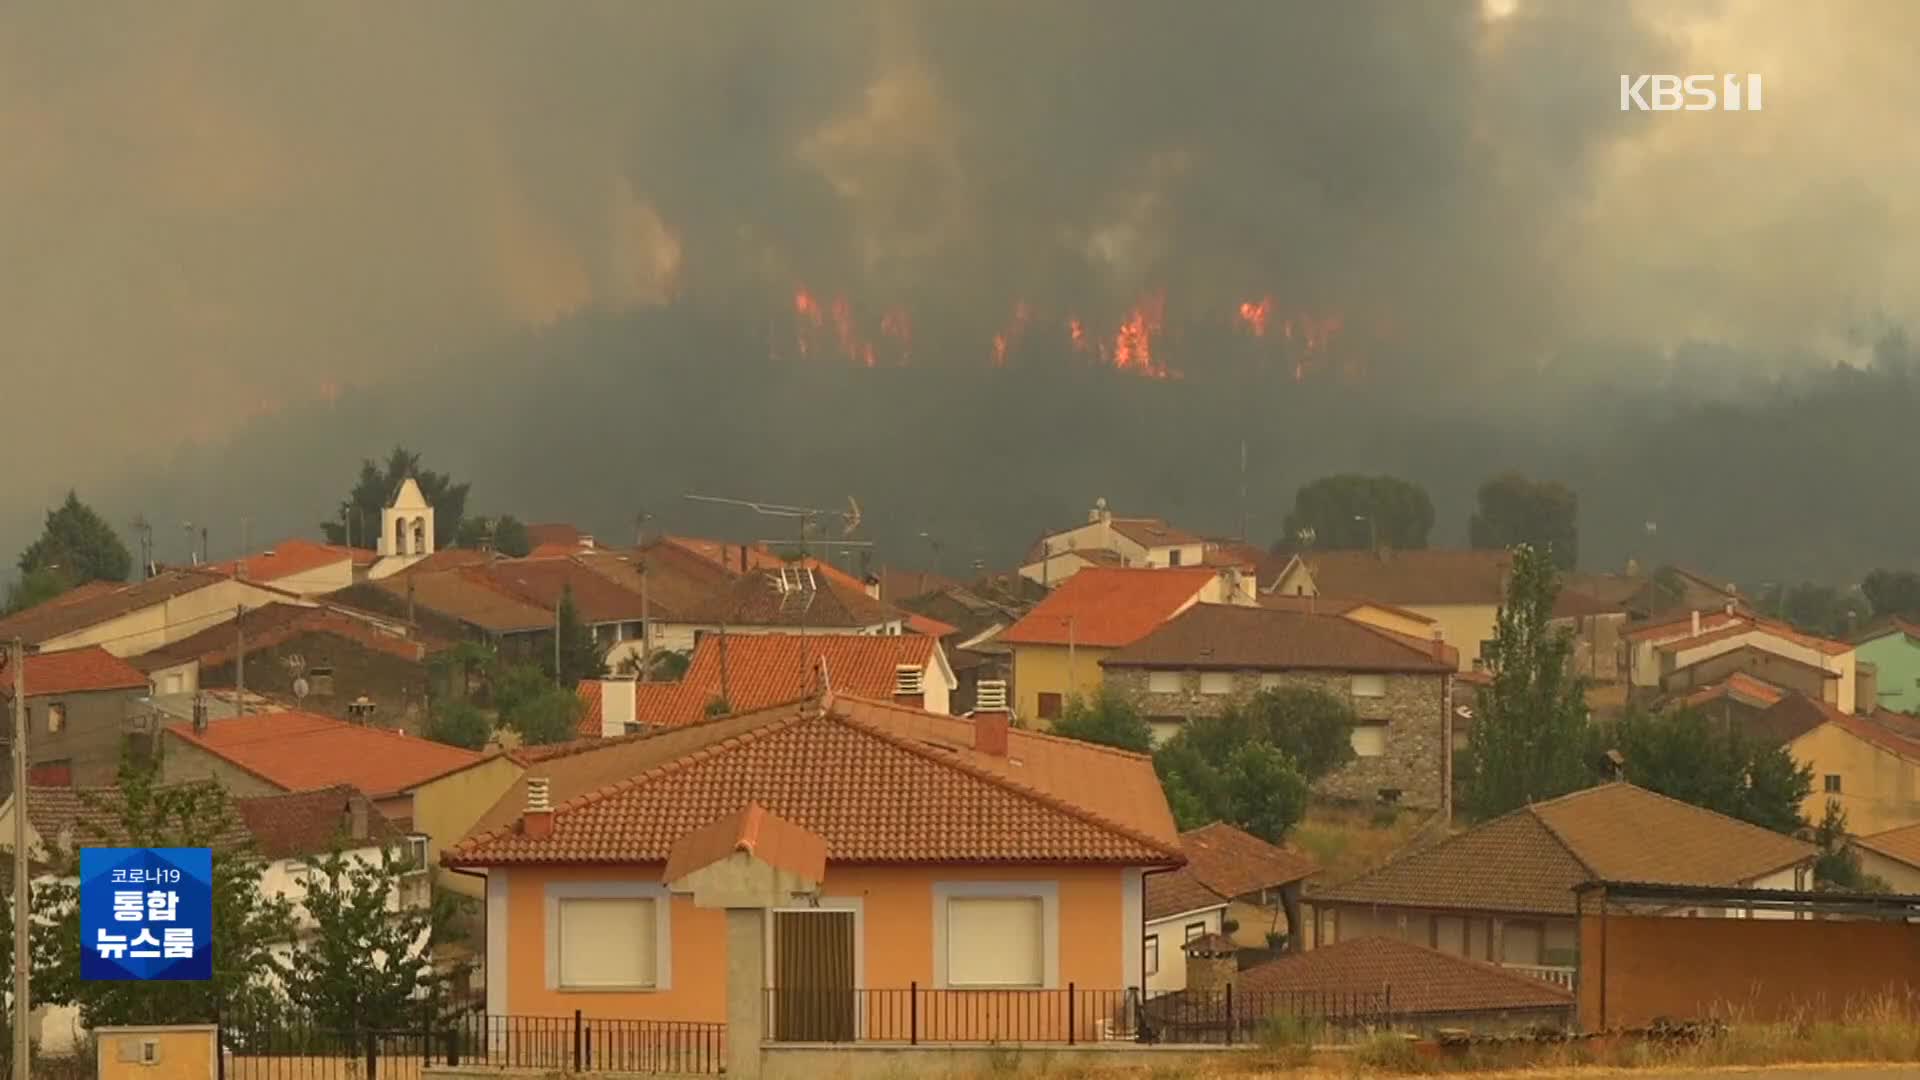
1212, 656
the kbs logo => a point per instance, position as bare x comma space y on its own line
1693, 93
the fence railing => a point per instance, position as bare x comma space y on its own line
1070, 1015
295, 1048
1558, 976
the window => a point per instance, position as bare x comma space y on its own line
1450, 934
417, 852
1049, 706
1369, 686
1369, 740
1832, 783
1196, 929
996, 941
1153, 954
56, 717
320, 681
607, 942
1163, 682
1216, 682
1173, 557
1520, 943
173, 684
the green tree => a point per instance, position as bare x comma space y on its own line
366, 965
1254, 764
1265, 790
581, 657
1892, 592
459, 723
1347, 511
505, 534
1838, 867
1529, 733
1539, 513
1813, 607
1313, 728
36, 587
246, 922
80, 543
1686, 756
1109, 718
43, 945
375, 489
529, 703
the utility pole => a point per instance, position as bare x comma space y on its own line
556, 638
240, 660
646, 609
22, 906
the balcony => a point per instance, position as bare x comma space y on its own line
1555, 974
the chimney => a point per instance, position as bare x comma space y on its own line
743, 558
991, 718
356, 817
909, 686
1212, 962
1439, 643
1696, 624
618, 706
199, 713
537, 821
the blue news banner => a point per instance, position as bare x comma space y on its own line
146, 913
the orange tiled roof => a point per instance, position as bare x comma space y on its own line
756, 599
928, 626
75, 671
767, 837
1423, 980
308, 822
1151, 532
1681, 626
1739, 685
1901, 844
271, 624
1234, 862
297, 751
1736, 627
881, 783
96, 603
591, 717
1108, 607
1260, 638
766, 669
1418, 576
290, 557
1531, 859
1178, 892
734, 558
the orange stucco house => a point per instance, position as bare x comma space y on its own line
900, 849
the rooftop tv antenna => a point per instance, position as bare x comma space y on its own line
797, 586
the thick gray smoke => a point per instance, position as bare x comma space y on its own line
219, 211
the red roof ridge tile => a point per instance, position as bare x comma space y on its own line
1016, 733
1009, 783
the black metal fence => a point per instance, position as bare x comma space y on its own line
1067, 1016
292, 1047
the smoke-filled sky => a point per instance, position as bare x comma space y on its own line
214, 210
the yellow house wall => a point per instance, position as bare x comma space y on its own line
185, 1053
1900, 877
445, 809
1878, 789
1041, 669
168, 621
1463, 626
1392, 621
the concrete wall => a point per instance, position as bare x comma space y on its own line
1878, 788
182, 762
1638, 968
185, 1052
397, 686
445, 809
1898, 659
1041, 669
170, 620
90, 737
1759, 663
1414, 712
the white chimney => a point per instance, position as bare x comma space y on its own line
908, 679
617, 706
538, 817
990, 695
1696, 624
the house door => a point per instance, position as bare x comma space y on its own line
813, 980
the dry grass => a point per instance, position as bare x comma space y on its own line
1348, 840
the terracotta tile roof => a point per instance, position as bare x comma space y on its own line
1422, 980
1236, 553
1741, 687
1234, 862
1888, 627
1570, 604
881, 783
927, 626
1800, 714
1736, 627
766, 669
466, 595
1422, 576
93, 816
450, 559
767, 837
1337, 605
756, 600
298, 751
734, 558
1681, 626
541, 582
304, 823
68, 613
897, 584
1901, 844
1531, 859
272, 624
1234, 637
677, 580
1178, 892
289, 557
591, 717
1109, 607
554, 532
1151, 532
89, 669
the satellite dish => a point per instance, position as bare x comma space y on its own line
300, 688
